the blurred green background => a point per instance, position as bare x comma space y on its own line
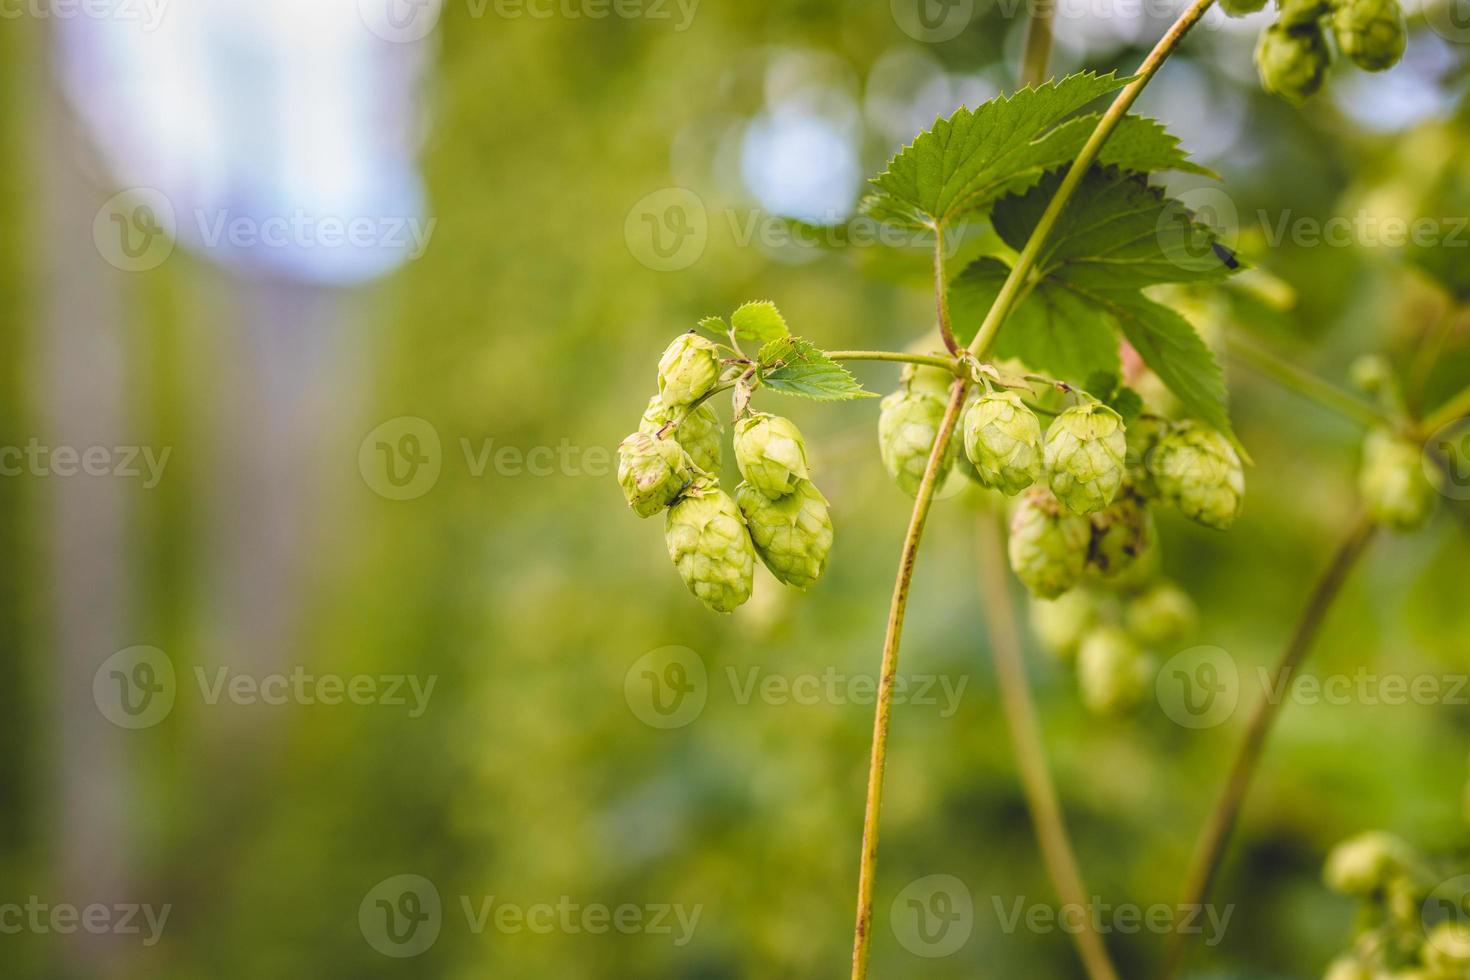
534, 319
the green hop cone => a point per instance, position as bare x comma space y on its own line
1003, 441
1061, 623
1447, 953
1347, 968
652, 472
793, 534
1122, 534
1293, 61
1240, 8
1393, 482
1161, 615
908, 424
1367, 863
699, 433
1370, 32
1113, 673
923, 378
710, 547
689, 369
1301, 13
770, 453
1142, 438
1047, 546
1085, 450
1198, 471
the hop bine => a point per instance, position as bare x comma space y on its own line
1085, 450
710, 546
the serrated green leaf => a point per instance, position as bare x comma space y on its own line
715, 327
973, 157
1051, 330
759, 322
1144, 145
1127, 403
1101, 385
794, 366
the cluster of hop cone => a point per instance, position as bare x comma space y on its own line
1412, 923
1294, 53
672, 464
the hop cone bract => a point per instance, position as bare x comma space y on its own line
1198, 471
908, 424
792, 534
689, 369
770, 453
652, 472
1085, 450
699, 433
1003, 441
1047, 547
710, 547
1370, 32
1393, 482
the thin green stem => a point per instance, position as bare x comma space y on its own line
1031, 764
932, 360
1038, 44
1307, 384
941, 293
1449, 411
1210, 851
863, 932
1026, 261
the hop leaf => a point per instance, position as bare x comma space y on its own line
1293, 60
1085, 449
1112, 672
1003, 441
770, 453
698, 433
652, 472
689, 369
1371, 33
908, 424
1047, 547
1393, 482
1198, 471
792, 534
710, 547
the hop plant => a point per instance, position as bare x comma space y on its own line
1293, 60
1003, 441
770, 453
908, 424
1347, 968
1061, 623
710, 547
1161, 615
1447, 953
1240, 8
652, 472
698, 433
792, 534
1367, 863
1085, 450
689, 369
1122, 534
1142, 438
1197, 470
1047, 547
1113, 673
1371, 33
1393, 483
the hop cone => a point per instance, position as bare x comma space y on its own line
689, 369
770, 453
1112, 672
652, 472
1061, 623
710, 547
1370, 32
1302, 13
1142, 439
1366, 863
699, 433
908, 424
1347, 968
1121, 535
1085, 449
1198, 471
1239, 8
1447, 954
1162, 615
1047, 547
1292, 60
1393, 482
930, 380
793, 534
1003, 441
